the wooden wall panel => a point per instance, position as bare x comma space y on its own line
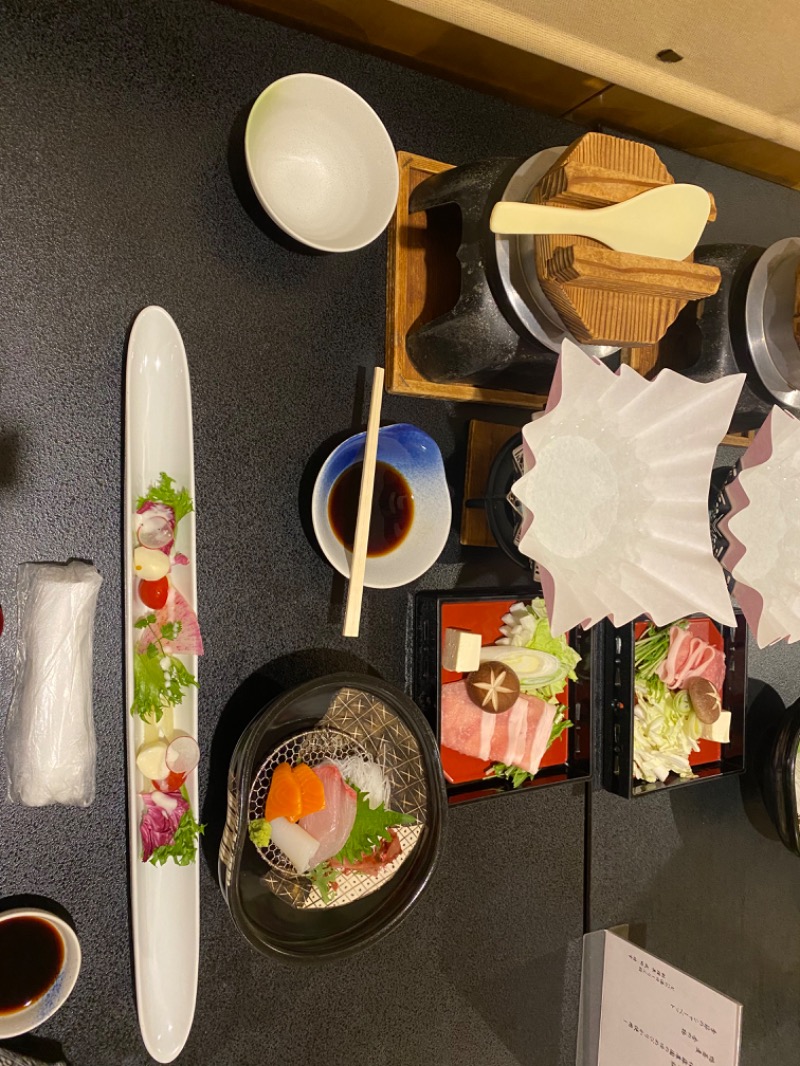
673, 126
428, 43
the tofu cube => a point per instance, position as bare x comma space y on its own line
462, 651
720, 731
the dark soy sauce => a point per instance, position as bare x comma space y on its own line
31, 957
392, 508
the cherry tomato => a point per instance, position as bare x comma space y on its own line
153, 594
171, 783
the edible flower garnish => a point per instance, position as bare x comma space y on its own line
168, 828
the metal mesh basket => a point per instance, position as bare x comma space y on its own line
312, 748
357, 723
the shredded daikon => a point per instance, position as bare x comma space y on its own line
366, 776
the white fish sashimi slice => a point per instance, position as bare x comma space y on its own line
296, 844
332, 825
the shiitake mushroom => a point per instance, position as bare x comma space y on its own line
494, 687
704, 699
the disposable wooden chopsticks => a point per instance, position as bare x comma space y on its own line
358, 562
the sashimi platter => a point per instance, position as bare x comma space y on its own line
336, 810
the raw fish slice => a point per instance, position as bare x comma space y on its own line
296, 844
332, 825
517, 737
284, 799
387, 852
176, 609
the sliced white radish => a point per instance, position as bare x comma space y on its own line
150, 565
167, 802
155, 531
183, 754
151, 760
296, 844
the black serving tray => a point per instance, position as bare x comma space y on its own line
618, 701
427, 673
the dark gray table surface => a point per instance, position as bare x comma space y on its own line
121, 184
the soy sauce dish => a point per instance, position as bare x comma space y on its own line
40, 958
411, 509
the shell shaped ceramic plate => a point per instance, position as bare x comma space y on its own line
165, 900
416, 456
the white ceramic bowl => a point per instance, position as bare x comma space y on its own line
321, 162
23, 1021
417, 457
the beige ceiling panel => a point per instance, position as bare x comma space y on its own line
739, 63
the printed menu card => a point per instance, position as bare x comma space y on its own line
640, 1011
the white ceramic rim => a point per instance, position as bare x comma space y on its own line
263, 200
72, 950
330, 545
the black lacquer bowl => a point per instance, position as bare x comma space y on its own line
262, 909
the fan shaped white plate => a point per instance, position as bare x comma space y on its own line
165, 900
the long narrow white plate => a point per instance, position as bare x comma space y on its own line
165, 900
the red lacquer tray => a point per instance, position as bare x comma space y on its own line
713, 760
568, 759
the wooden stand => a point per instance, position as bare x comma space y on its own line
484, 442
422, 283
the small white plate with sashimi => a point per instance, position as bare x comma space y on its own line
162, 643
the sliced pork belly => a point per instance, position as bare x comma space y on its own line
688, 657
517, 737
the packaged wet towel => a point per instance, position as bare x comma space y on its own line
49, 737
